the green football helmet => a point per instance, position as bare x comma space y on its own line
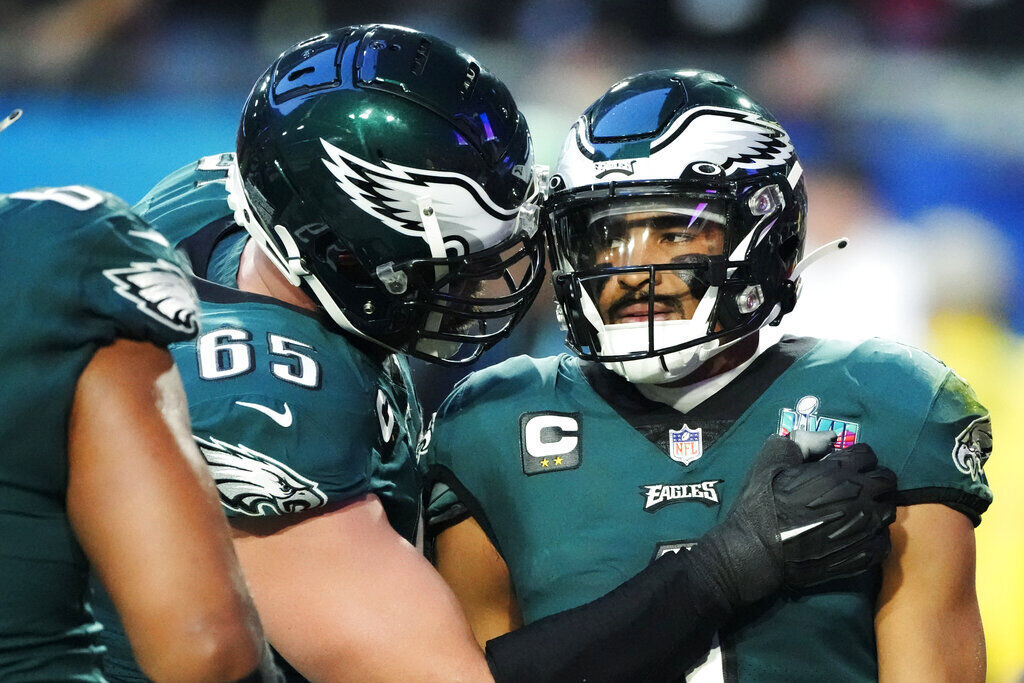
383, 170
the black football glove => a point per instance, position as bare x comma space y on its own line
797, 523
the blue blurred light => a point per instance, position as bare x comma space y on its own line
488, 132
123, 146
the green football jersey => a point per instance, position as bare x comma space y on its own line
82, 271
289, 414
579, 481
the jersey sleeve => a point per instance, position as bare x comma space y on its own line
467, 461
441, 444
270, 457
443, 507
946, 463
189, 198
129, 277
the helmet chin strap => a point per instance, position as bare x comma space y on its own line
815, 256
435, 242
664, 367
289, 264
818, 254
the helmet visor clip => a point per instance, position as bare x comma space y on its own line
395, 281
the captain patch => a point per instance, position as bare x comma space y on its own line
549, 442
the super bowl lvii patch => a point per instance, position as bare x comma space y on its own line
805, 416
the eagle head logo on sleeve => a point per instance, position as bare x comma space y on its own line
160, 290
255, 484
973, 446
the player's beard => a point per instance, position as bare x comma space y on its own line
672, 306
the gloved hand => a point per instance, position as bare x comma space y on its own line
799, 523
795, 523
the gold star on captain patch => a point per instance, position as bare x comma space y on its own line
558, 460
544, 462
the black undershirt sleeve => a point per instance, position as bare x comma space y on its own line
653, 627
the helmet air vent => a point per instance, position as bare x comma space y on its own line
306, 71
420, 59
310, 41
299, 73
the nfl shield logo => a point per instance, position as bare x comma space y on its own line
685, 445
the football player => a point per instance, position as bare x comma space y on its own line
97, 466
676, 224
371, 213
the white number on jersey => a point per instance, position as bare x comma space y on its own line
228, 352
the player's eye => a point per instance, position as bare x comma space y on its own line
611, 249
677, 237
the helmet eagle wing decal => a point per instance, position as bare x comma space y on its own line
727, 138
463, 209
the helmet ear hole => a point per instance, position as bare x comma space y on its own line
349, 267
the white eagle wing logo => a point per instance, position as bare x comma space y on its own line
255, 484
160, 290
727, 138
465, 213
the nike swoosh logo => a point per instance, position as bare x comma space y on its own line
793, 533
283, 418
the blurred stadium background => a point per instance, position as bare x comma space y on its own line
909, 115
